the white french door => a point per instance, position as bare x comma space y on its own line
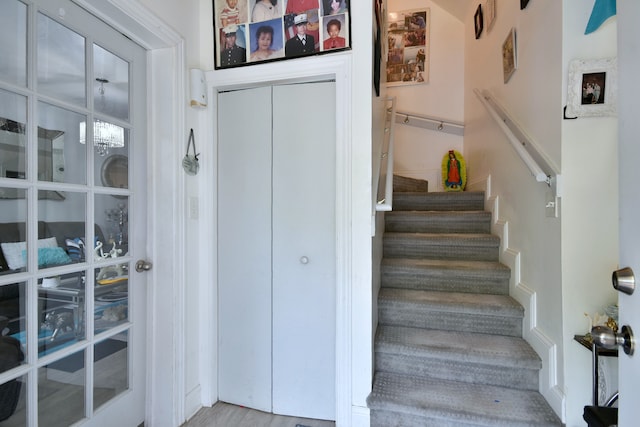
277, 249
72, 209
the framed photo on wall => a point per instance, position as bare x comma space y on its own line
478, 21
408, 47
592, 87
247, 32
509, 55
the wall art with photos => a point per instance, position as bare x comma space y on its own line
408, 47
592, 87
247, 32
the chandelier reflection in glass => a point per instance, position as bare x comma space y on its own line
105, 136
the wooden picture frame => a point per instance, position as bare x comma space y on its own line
592, 88
490, 7
478, 21
509, 55
258, 31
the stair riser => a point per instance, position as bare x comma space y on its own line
433, 223
416, 249
418, 316
444, 281
478, 373
438, 202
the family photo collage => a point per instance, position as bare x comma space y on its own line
253, 31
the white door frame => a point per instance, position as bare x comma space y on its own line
307, 70
166, 90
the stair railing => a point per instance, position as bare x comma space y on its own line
383, 166
542, 168
430, 123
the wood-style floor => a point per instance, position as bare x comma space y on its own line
225, 415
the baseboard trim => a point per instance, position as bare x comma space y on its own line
541, 343
360, 416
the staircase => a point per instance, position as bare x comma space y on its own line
449, 350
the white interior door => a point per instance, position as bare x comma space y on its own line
304, 248
276, 246
65, 77
244, 248
629, 176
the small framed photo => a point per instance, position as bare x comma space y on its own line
478, 21
592, 87
509, 55
491, 13
523, 4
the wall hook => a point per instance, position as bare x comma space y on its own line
441, 126
406, 120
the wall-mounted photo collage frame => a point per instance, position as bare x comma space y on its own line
248, 32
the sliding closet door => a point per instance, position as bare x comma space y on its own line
304, 250
244, 247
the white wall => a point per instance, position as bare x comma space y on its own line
589, 212
418, 152
530, 241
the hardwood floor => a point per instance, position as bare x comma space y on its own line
225, 415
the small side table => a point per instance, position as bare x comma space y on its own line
595, 353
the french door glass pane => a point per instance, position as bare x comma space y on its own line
61, 62
13, 42
13, 138
61, 388
111, 84
111, 374
112, 168
62, 155
14, 395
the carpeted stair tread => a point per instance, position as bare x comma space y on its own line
489, 277
438, 221
436, 402
439, 201
406, 184
457, 346
468, 246
455, 311
457, 302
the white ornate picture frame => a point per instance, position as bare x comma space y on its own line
592, 88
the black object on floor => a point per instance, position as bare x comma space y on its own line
600, 416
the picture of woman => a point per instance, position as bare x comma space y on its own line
265, 10
334, 7
264, 44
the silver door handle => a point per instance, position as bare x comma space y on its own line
607, 338
624, 281
142, 265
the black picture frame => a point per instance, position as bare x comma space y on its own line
377, 48
478, 21
523, 4
260, 31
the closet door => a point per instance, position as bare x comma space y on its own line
244, 247
304, 250
276, 249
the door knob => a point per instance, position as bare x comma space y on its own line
624, 280
606, 338
304, 260
142, 265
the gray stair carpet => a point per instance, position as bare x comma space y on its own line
448, 349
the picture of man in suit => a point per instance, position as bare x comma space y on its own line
302, 43
232, 53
